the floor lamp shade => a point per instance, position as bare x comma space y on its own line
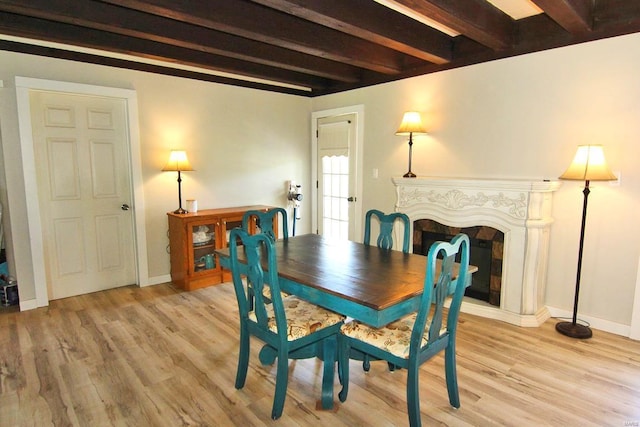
178, 162
588, 164
411, 123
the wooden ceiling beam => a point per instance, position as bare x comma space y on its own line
371, 21
266, 25
575, 16
106, 17
476, 19
22, 26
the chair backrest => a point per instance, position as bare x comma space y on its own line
264, 220
438, 285
385, 238
258, 251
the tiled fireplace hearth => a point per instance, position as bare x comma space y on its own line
521, 209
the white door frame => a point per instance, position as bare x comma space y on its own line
634, 329
23, 86
358, 110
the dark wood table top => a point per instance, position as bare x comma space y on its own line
365, 275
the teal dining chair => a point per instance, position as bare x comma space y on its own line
386, 221
264, 221
409, 342
264, 224
288, 326
384, 241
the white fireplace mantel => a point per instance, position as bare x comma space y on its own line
521, 209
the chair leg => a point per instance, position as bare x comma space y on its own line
413, 396
343, 366
282, 377
243, 357
451, 376
366, 364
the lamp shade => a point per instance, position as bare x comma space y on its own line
411, 123
589, 164
177, 162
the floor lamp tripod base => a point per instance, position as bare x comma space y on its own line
574, 330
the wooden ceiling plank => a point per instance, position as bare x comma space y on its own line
575, 16
132, 23
371, 21
476, 19
28, 27
266, 25
616, 15
31, 49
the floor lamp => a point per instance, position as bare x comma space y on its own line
411, 123
588, 164
178, 162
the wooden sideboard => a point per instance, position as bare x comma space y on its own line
193, 238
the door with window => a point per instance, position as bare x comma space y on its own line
337, 181
84, 191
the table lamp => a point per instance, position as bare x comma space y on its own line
178, 162
411, 123
588, 164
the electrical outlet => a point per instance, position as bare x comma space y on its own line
374, 173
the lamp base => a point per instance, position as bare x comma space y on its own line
180, 211
409, 175
574, 330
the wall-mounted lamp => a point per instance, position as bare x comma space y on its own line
178, 162
411, 123
588, 164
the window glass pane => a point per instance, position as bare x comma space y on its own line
344, 165
335, 190
326, 185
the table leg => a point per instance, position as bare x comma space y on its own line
329, 357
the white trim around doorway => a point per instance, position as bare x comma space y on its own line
23, 86
358, 110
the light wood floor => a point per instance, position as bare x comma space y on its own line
160, 357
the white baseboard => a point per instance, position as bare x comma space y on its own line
158, 280
29, 304
594, 322
482, 309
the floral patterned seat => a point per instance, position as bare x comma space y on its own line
303, 318
394, 338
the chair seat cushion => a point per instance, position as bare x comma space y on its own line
266, 291
303, 318
394, 338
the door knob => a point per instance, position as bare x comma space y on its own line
351, 199
124, 207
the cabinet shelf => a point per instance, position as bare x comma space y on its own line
189, 259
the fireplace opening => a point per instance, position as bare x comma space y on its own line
486, 244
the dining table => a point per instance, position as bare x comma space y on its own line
375, 286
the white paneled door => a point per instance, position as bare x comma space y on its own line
336, 176
84, 191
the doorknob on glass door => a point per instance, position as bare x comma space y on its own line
124, 207
351, 199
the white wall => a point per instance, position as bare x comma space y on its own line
523, 117
243, 143
518, 117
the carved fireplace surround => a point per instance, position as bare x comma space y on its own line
521, 209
